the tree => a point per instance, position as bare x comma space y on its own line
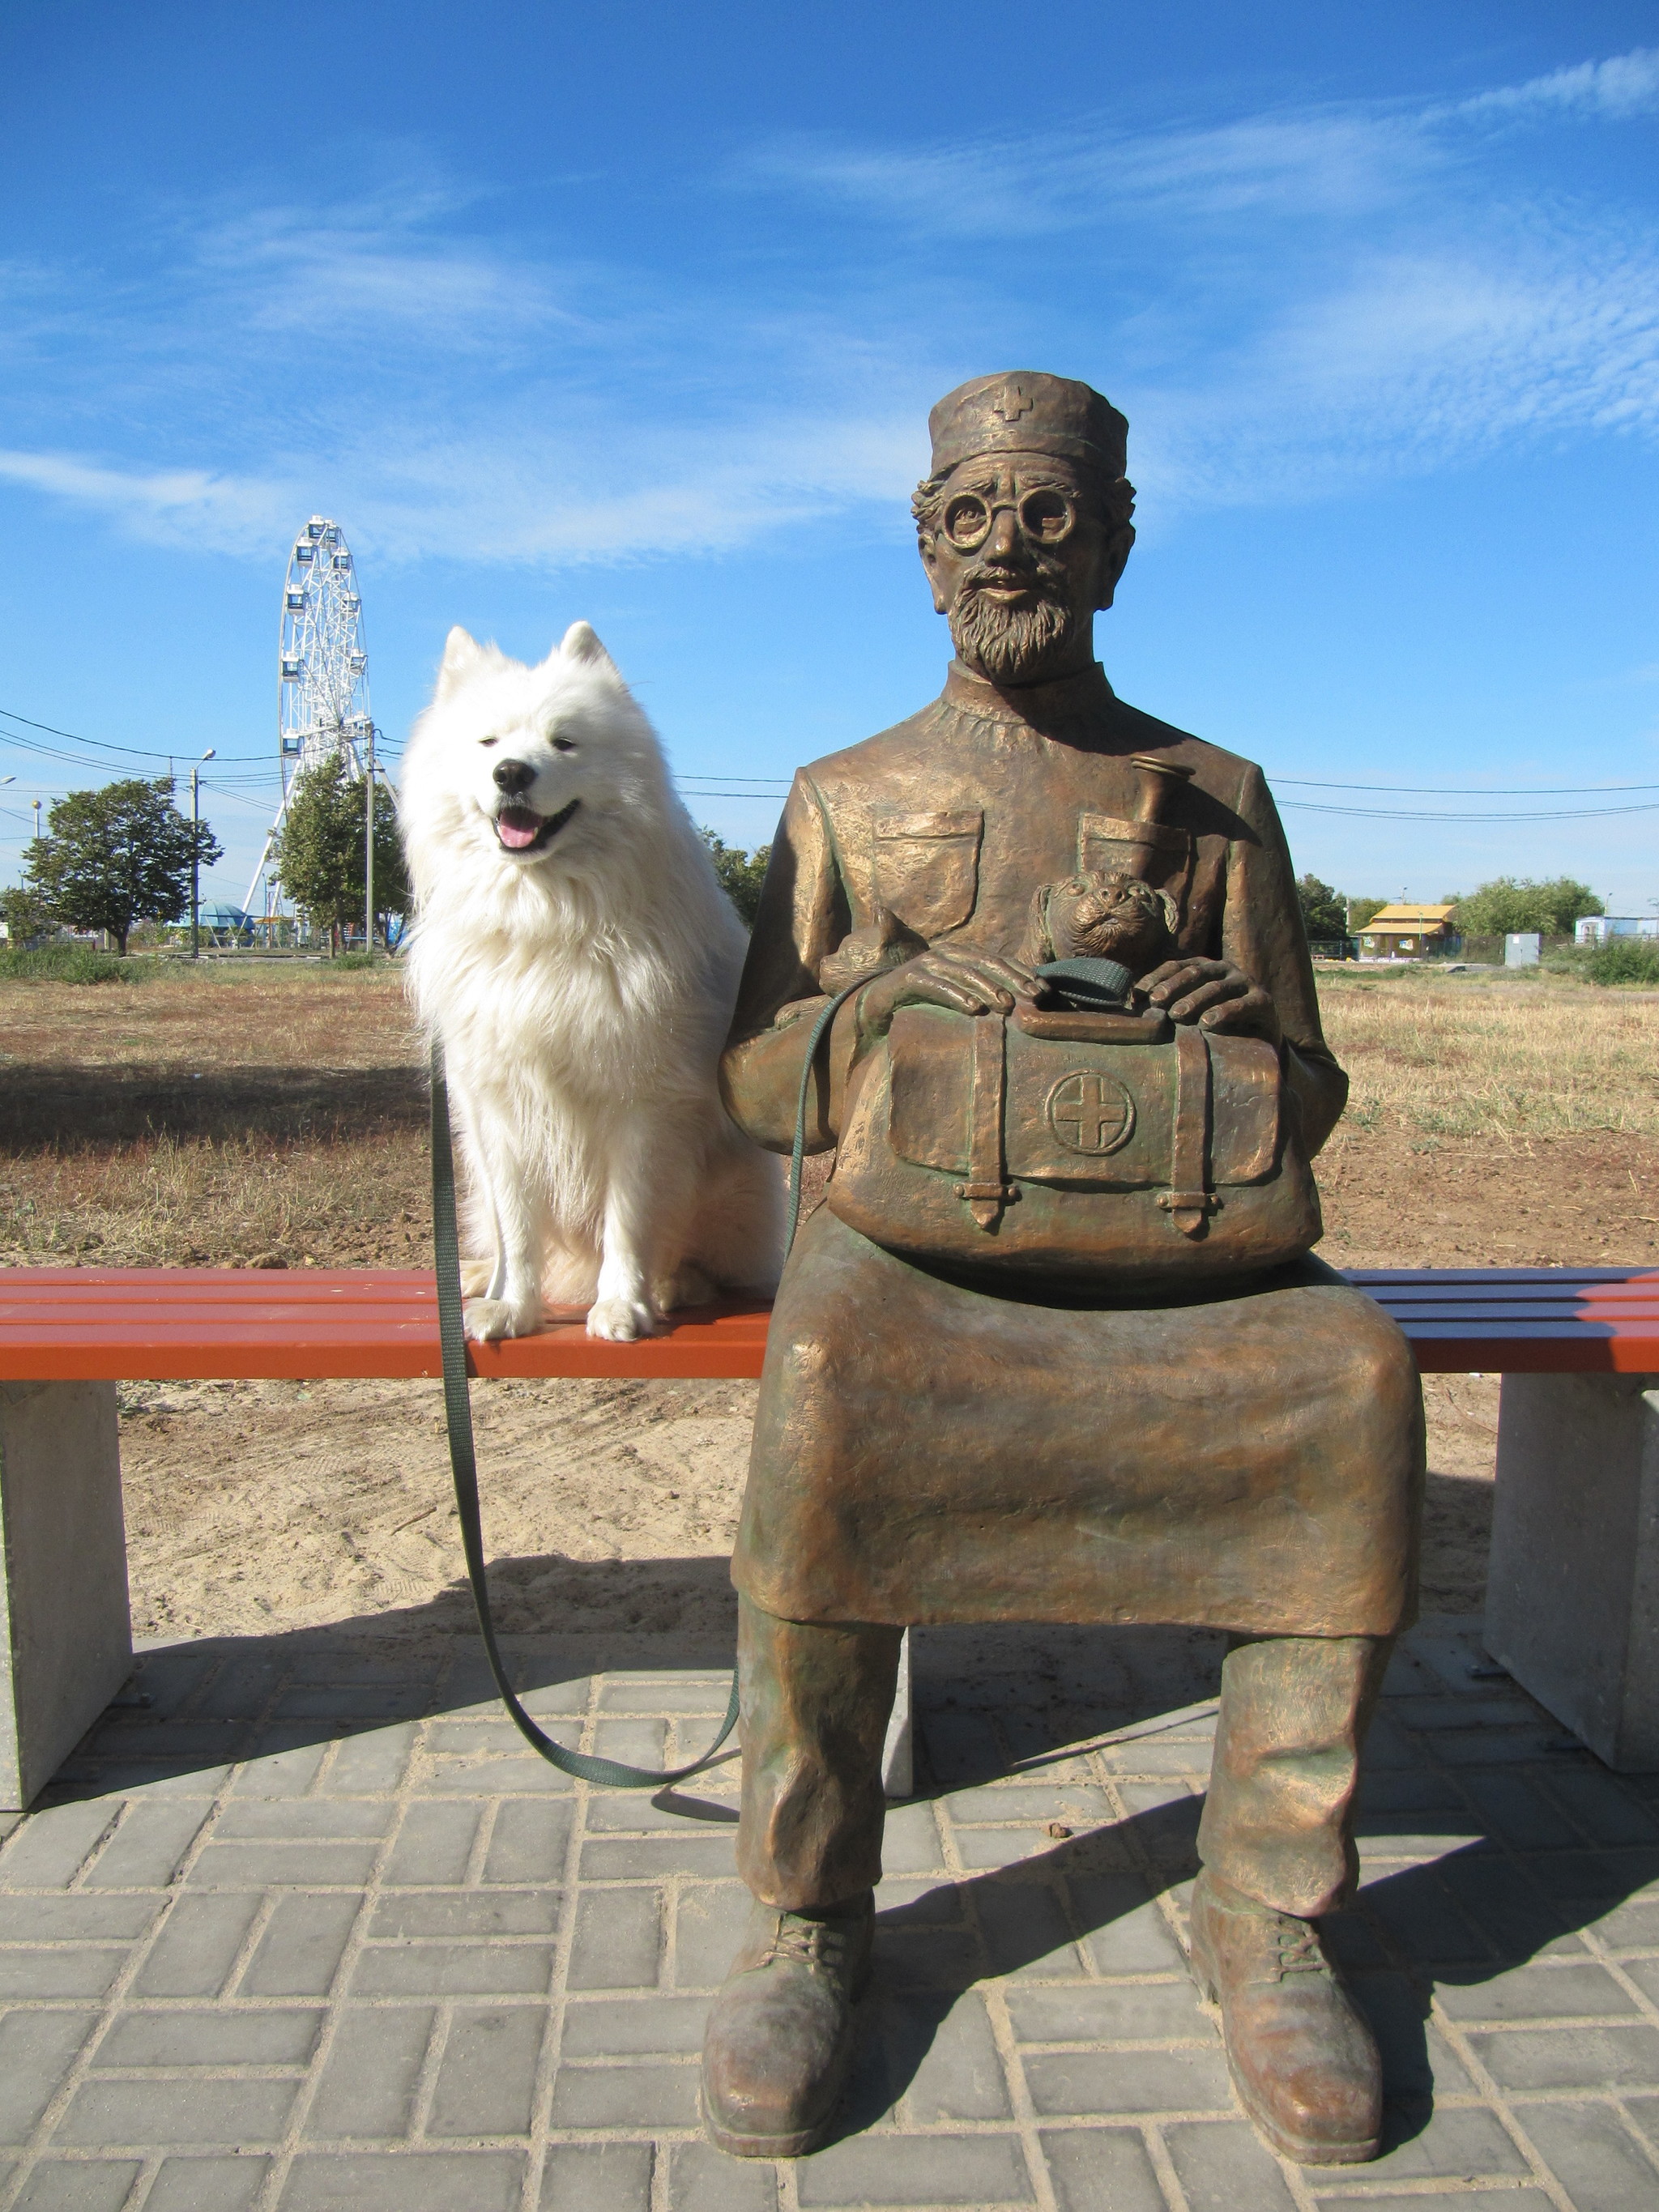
1322, 914
1508, 903
319, 855
116, 856
741, 874
26, 915
1360, 911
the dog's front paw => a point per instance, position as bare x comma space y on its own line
488, 1320
622, 1320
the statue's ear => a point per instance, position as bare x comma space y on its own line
1113, 558
462, 653
581, 643
930, 562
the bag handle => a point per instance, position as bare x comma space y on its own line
820, 1030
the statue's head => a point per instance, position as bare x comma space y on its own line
1023, 522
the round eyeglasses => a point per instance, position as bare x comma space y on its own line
1045, 515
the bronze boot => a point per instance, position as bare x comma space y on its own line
779, 2036
1302, 2060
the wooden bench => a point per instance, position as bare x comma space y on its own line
1572, 1608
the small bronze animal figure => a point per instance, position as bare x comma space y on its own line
1102, 916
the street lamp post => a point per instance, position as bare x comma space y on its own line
368, 849
196, 854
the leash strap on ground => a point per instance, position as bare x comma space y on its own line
610, 1773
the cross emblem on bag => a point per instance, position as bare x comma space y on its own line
1090, 1112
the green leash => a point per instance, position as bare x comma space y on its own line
610, 1773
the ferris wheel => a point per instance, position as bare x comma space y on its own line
323, 711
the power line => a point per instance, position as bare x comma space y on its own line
717, 786
1446, 791
1411, 814
104, 744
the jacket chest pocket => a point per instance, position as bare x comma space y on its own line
1159, 852
927, 867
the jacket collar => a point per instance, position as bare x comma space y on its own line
1037, 703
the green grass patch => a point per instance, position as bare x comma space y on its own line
74, 964
1623, 960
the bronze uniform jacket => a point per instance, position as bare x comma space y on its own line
955, 818
924, 1451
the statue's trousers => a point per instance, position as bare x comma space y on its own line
1277, 1820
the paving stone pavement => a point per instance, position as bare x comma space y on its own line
312, 1928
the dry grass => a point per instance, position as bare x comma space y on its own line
235, 1115
1447, 1057
246, 1113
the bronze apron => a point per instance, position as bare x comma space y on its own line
925, 1451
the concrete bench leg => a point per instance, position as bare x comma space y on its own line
898, 1777
65, 1632
1572, 1591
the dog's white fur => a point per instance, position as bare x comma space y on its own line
582, 992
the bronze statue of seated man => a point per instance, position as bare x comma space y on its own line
971, 1410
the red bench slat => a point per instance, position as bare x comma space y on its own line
209, 1323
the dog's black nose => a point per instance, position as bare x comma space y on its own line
513, 776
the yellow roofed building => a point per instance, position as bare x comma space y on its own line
1406, 932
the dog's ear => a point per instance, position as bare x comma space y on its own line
579, 643
462, 653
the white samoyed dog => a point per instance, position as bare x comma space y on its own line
575, 954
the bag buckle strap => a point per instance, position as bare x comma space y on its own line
987, 1190
1188, 1202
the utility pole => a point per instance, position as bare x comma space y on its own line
195, 854
37, 821
368, 849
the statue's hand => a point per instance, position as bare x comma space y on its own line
960, 977
1213, 993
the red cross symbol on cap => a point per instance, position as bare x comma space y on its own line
1012, 404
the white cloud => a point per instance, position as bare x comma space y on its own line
1627, 84
527, 498
1418, 360
1332, 160
167, 507
370, 269
1329, 162
462, 392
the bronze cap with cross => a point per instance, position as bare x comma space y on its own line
1022, 410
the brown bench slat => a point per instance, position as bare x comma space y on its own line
177, 1323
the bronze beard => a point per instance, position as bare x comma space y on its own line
1010, 644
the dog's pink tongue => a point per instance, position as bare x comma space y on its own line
518, 827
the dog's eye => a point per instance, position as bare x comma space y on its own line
490, 741
564, 745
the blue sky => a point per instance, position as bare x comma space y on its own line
635, 312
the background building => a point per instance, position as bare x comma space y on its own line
1406, 933
1596, 928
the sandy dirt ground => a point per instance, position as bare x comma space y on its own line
276, 1119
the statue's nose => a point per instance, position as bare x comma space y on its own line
513, 776
1004, 534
